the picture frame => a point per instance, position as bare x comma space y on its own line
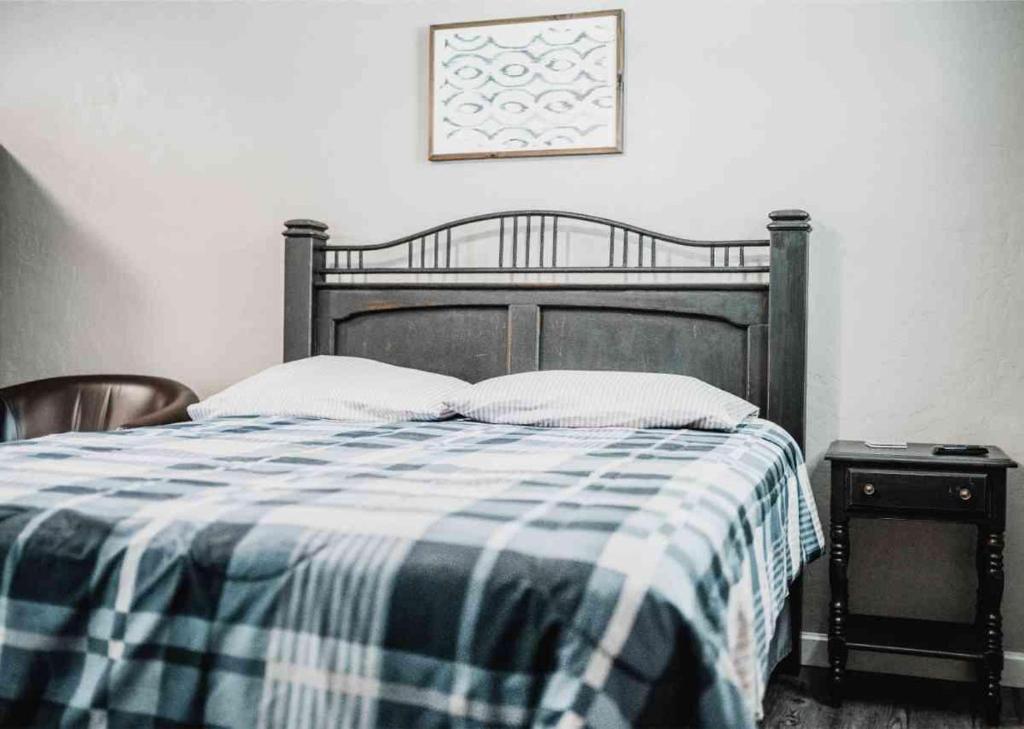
527, 87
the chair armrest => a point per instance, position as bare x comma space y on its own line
174, 412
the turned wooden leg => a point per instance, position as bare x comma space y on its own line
979, 567
839, 558
990, 596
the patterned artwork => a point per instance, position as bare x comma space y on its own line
527, 87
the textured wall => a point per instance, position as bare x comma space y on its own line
152, 152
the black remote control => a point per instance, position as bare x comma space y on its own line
960, 450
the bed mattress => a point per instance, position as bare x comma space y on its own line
290, 572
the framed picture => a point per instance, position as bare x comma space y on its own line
527, 87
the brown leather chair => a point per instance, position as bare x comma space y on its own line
90, 403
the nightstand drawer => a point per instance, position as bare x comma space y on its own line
951, 493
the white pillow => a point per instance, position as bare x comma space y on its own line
584, 399
338, 388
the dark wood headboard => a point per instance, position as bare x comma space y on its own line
746, 337
736, 317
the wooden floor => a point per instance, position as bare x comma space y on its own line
882, 701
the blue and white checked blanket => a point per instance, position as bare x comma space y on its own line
303, 573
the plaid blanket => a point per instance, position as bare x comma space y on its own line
289, 572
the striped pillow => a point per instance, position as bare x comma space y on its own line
338, 388
586, 399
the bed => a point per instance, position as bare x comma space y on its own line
302, 572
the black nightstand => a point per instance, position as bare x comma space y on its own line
912, 483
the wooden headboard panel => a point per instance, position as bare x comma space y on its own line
480, 332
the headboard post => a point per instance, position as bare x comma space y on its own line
303, 257
787, 321
787, 363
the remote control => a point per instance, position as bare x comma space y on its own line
960, 450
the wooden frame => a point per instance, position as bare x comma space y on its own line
618, 116
746, 337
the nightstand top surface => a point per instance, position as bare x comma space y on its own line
914, 453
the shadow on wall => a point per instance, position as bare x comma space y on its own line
65, 305
823, 377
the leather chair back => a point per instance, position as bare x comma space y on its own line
90, 403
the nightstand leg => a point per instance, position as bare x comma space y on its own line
979, 566
990, 594
839, 558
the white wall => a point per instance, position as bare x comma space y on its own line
153, 151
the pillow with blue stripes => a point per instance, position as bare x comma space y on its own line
595, 399
337, 388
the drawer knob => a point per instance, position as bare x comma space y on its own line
965, 494
869, 489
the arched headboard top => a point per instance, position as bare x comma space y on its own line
529, 242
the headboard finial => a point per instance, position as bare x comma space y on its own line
305, 228
789, 220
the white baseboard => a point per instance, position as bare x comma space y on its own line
815, 653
